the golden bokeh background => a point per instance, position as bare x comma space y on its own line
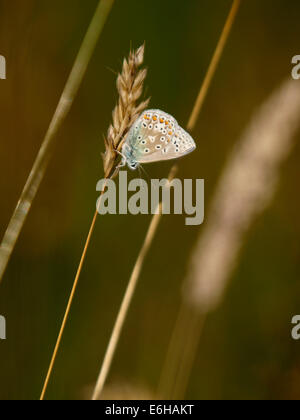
246, 350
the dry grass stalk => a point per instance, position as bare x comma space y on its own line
127, 392
155, 220
130, 86
121, 318
47, 148
130, 83
213, 64
246, 188
121, 390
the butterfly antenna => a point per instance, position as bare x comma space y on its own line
140, 174
140, 177
144, 171
111, 70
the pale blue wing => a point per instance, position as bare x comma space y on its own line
161, 138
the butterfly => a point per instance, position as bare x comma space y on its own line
155, 136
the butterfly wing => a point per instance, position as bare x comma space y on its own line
159, 137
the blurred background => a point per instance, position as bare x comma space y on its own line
246, 350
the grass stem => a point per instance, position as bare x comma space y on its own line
156, 218
67, 312
118, 326
47, 148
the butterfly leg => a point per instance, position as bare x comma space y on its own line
123, 162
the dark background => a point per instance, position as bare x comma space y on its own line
246, 350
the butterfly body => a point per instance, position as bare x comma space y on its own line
155, 136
